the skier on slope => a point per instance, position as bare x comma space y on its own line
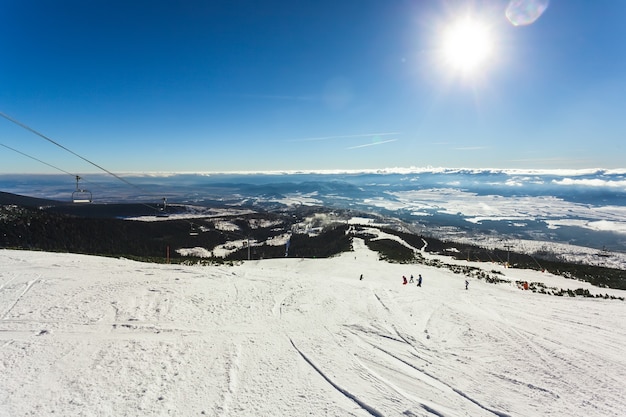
466, 284
419, 280
403, 280
411, 279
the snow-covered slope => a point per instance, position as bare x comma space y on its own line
89, 336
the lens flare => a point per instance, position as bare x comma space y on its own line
525, 12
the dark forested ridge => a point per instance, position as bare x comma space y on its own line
36, 224
20, 200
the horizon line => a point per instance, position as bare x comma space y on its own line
382, 171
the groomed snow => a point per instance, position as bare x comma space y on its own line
91, 336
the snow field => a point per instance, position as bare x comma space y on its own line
90, 336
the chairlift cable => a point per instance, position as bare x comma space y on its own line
537, 262
36, 159
17, 122
43, 162
41, 135
64, 171
192, 224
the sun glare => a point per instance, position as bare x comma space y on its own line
467, 46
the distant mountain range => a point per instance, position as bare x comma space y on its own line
233, 230
584, 207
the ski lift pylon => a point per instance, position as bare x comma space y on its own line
81, 196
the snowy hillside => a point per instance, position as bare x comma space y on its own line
89, 336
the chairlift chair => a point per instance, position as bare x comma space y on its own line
81, 196
163, 209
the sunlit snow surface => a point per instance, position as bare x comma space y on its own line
84, 335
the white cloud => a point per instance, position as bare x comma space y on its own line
591, 182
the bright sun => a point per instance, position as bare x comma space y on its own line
467, 46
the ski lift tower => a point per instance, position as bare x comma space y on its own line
508, 254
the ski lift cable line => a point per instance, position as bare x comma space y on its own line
37, 159
191, 223
78, 177
41, 135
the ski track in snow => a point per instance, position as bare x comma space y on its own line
426, 377
84, 336
27, 288
371, 410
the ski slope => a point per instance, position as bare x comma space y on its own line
92, 336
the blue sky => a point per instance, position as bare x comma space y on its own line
308, 85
